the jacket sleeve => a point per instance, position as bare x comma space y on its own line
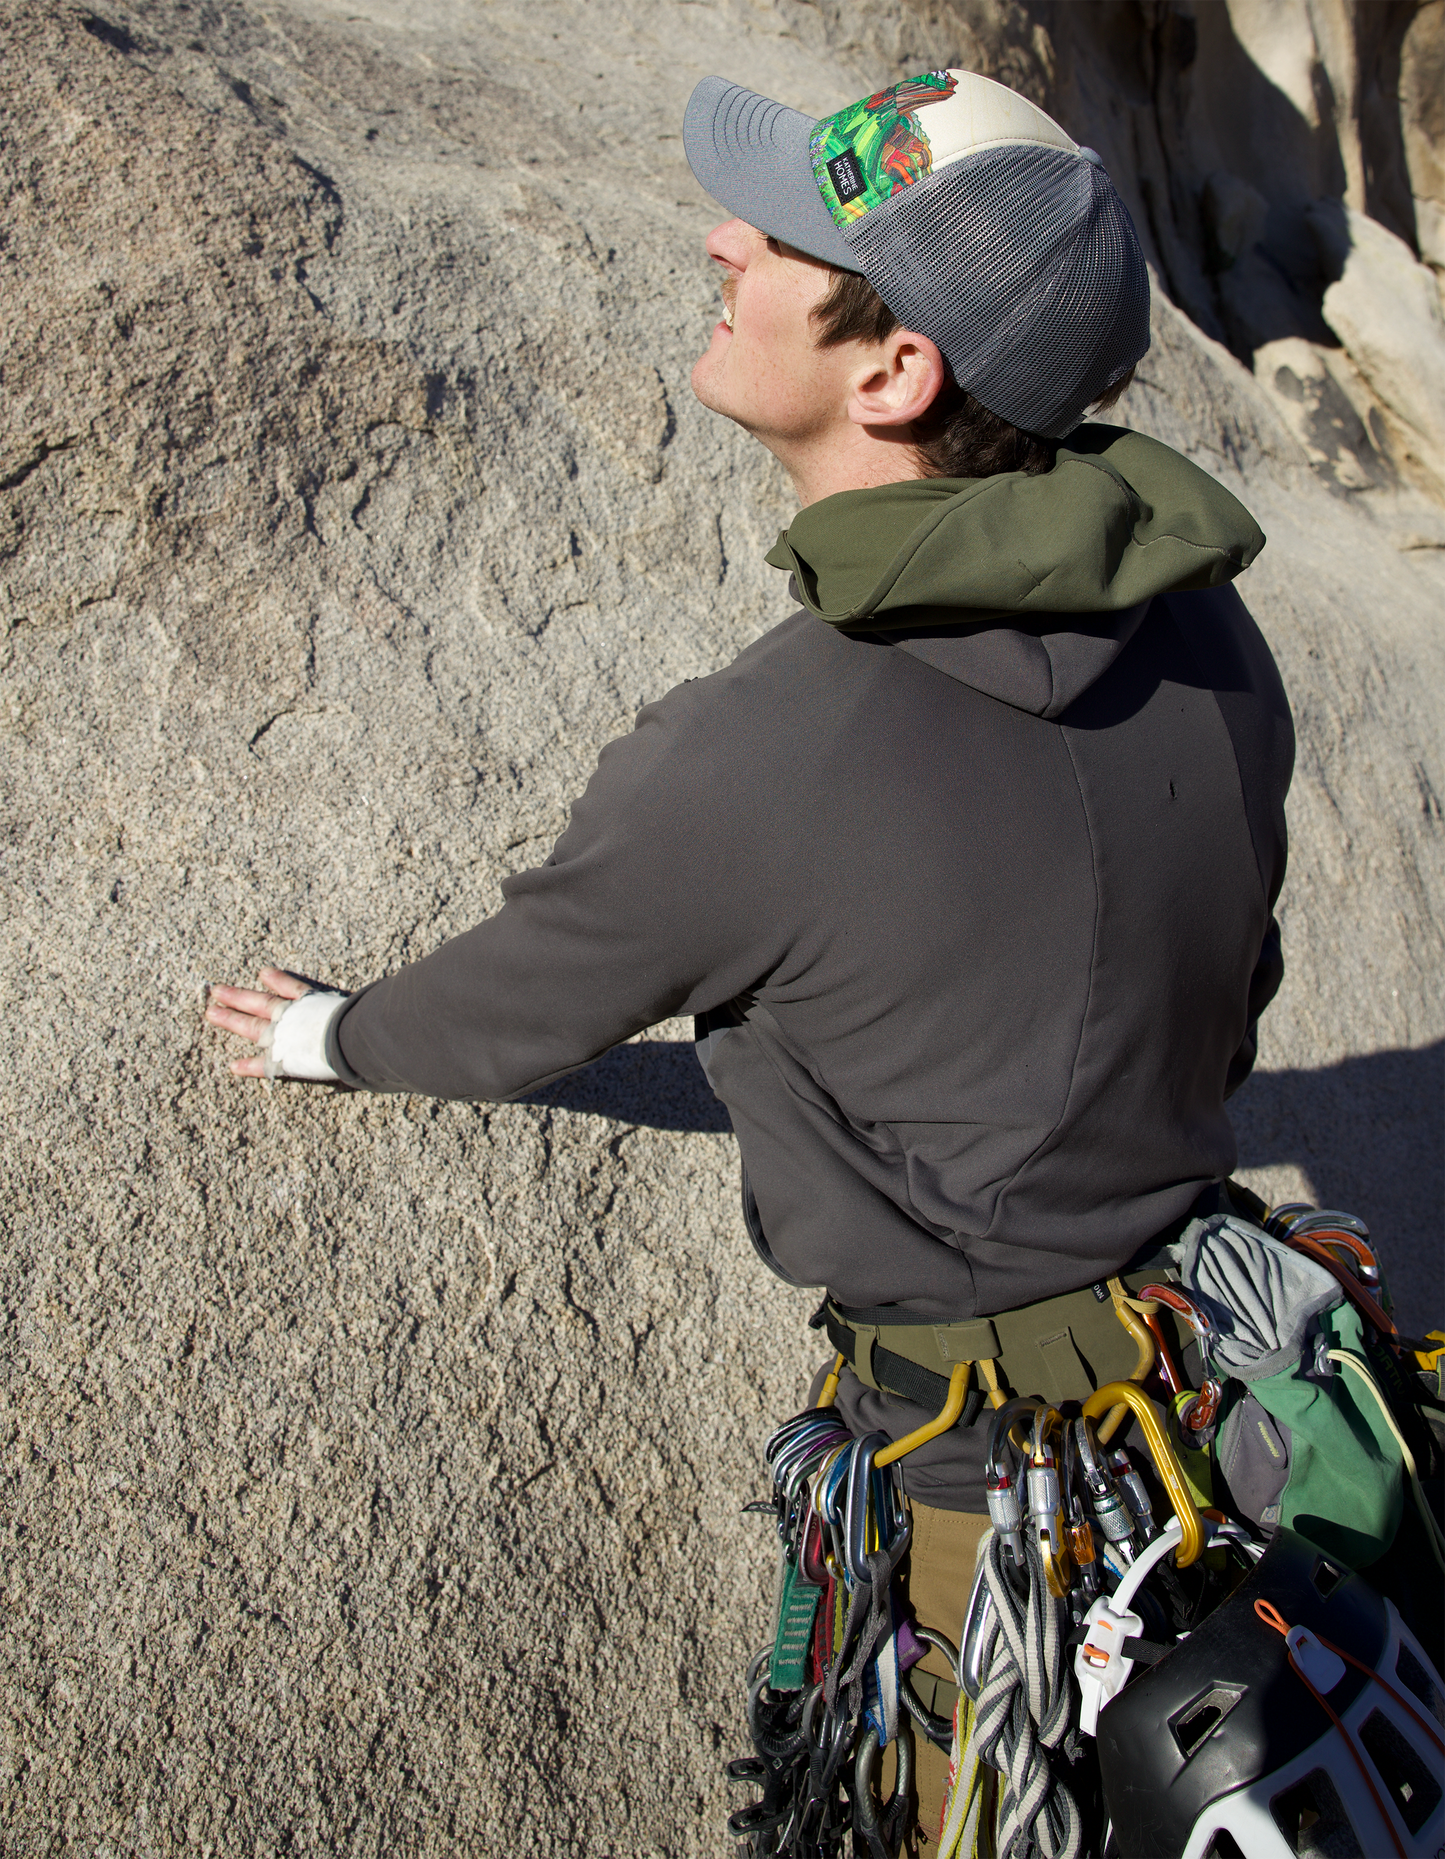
636, 916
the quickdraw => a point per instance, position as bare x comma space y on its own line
831, 1692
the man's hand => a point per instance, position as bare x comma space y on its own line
251, 1011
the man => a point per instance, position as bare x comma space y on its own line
966, 868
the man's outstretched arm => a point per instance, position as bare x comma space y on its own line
643, 911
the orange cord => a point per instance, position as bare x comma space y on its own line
1272, 1618
1369, 1672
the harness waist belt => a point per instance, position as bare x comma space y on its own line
1060, 1349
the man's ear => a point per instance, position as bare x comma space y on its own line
898, 382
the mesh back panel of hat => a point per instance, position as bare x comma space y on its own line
1022, 264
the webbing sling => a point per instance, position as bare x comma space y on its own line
1061, 1348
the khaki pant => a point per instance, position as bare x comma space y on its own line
938, 1576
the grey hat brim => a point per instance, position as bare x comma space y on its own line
751, 155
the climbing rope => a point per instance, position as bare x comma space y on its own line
1022, 1715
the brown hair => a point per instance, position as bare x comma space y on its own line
958, 437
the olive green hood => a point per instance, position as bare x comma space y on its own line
1069, 559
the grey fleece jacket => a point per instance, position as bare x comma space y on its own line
967, 870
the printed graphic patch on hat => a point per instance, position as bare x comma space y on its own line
863, 155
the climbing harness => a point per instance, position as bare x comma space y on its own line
1112, 1566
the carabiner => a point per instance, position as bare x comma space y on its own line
811, 1565
829, 1494
938, 1730
1200, 1415
1314, 1248
1171, 1473
1136, 1495
857, 1506
976, 1634
1110, 1508
1328, 1227
817, 1484
1001, 1484
882, 1824
1194, 1314
1361, 1258
1046, 1504
811, 1420
777, 1740
1293, 1217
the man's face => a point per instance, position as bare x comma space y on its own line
763, 367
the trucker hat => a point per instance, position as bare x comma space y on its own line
976, 218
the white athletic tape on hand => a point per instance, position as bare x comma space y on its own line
295, 1045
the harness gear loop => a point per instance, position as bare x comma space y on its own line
1171, 1474
1124, 1309
952, 1408
996, 1395
828, 1393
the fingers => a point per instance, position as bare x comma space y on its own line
251, 1026
277, 981
251, 1012
242, 1000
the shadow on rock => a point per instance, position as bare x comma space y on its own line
1367, 1134
657, 1082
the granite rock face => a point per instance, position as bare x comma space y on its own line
372, 1466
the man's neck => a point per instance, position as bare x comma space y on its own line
859, 459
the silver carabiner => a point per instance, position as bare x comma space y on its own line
976, 1635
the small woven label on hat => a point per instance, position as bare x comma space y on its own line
846, 176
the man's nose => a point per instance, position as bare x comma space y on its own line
729, 243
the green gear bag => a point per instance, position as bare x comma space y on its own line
1344, 1484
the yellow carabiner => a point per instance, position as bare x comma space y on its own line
952, 1408
1171, 1474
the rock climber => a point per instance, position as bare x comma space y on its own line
967, 867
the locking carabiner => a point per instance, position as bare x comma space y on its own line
1046, 1503
1001, 1483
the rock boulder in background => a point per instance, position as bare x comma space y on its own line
372, 1466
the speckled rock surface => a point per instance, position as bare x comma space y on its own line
371, 1467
